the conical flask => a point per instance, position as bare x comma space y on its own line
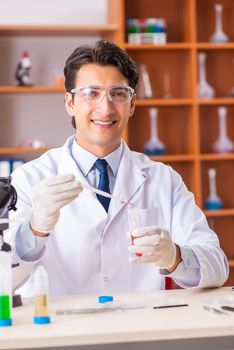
218, 36
204, 89
213, 202
154, 146
223, 144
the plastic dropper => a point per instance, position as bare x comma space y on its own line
105, 194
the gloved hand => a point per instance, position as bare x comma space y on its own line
153, 245
48, 197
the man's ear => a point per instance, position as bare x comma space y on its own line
133, 105
69, 103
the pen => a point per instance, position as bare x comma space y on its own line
166, 306
105, 194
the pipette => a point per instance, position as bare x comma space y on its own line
105, 194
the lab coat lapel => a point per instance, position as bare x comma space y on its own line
130, 178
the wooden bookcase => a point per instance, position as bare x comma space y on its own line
187, 125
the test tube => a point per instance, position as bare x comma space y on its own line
5, 289
133, 221
41, 291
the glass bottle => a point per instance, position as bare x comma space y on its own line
223, 144
204, 90
154, 146
218, 36
213, 202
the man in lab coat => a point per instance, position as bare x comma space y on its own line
81, 240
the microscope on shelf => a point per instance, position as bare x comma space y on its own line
8, 199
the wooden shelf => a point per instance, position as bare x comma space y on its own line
217, 156
17, 150
173, 158
216, 101
219, 213
164, 102
231, 263
168, 46
30, 89
56, 30
210, 46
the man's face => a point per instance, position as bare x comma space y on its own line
99, 125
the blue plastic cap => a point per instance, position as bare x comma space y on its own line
105, 298
41, 320
6, 322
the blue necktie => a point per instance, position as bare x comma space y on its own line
101, 165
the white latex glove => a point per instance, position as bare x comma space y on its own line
153, 245
49, 196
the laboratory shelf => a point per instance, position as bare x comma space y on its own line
210, 46
164, 102
173, 158
216, 101
18, 151
30, 89
217, 156
231, 263
56, 30
169, 46
219, 213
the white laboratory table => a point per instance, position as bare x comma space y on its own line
170, 328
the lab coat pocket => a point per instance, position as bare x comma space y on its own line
151, 217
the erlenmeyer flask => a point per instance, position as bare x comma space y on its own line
204, 90
213, 202
218, 36
223, 144
154, 146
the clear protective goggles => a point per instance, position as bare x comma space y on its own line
94, 94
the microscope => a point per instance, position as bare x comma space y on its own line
8, 199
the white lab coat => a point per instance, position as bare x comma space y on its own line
88, 250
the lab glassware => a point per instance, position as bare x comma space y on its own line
204, 89
218, 36
5, 289
134, 221
223, 143
213, 202
41, 291
154, 146
144, 88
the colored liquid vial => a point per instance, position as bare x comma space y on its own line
5, 289
41, 289
213, 202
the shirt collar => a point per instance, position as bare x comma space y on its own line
85, 160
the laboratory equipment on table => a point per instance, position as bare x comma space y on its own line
223, 143
213, 202
8, 199
41, 291
167, 86
5, 289
144, 87
154, 146
218, 36
204, 89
